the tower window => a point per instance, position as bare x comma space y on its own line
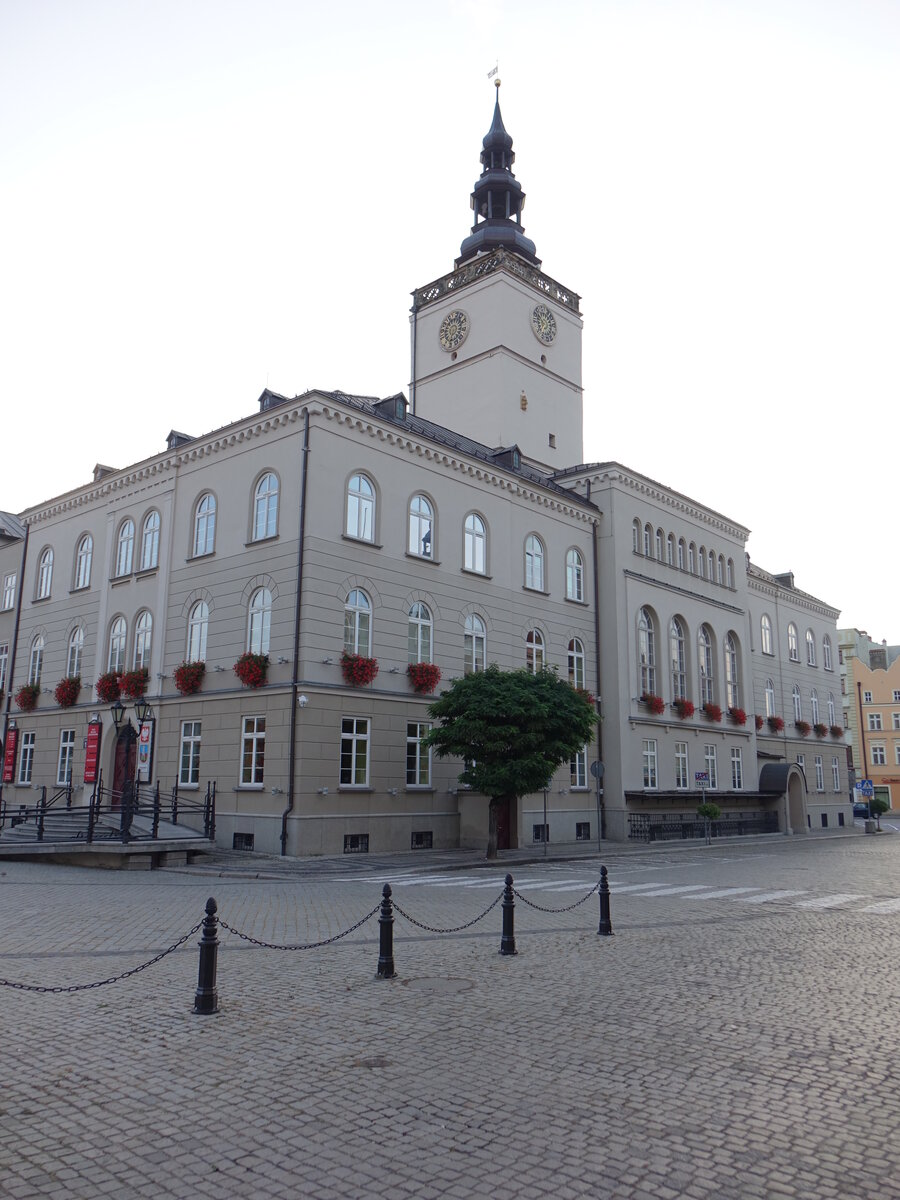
553, 441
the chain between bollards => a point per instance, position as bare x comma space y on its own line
605, 923
507, 938
386, 936
206, 998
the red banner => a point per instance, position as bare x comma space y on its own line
92, 752
9, 754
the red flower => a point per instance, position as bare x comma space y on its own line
684, 708
737, 715
836, 731
712, 712
251, 669
189, 676
66, 691
134, 683
803, 728
775, 724
27, 696
819, 729
358, 670
655, 704
424, 676
759, 722
109, 687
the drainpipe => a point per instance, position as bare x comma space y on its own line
595, 528
294, 683
412, 382
11, 662
862, 735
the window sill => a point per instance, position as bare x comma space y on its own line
196, 557
146, 572
250, 787
355, 787
419, 787
536, 591
39, 600
423, 558
72, 591
117, 580
477, 574
572, 600
348, 537
194, 787
273, 537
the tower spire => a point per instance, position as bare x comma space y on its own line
497, 199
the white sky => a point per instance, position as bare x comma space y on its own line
203, 197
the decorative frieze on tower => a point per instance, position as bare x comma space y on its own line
496, 344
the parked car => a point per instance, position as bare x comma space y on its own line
860, 809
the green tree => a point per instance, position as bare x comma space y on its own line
708, 812
512, 729
877, 806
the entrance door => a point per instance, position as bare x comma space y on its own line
124, 763
503, 825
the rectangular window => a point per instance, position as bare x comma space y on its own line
540, 833
737, 769
356, 843
189, 771
711, 767
4, 664
582, 831
578, 769
253, 751
874, 720
867, 697
681, 766
649, 759
418, 759
241, 841
9, 591
422, 839
836, 775
26, 758
896, 696
878, 756
820, 774
895, 717
354, 752
66, 756
824, 820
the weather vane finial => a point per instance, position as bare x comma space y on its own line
493, 72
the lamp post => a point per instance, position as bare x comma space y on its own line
118, 714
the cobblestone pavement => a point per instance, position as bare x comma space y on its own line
715, 1047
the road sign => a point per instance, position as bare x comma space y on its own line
701, 778
597, 769
866, 788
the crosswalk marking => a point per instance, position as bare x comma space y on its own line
765, 897
722, 892
632, 887
679, 890
831, 901
883, 906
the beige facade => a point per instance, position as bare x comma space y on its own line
874, 708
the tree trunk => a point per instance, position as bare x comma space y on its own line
492, 827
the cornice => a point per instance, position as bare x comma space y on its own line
682, 591
450, 368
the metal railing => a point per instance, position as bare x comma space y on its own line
666, 827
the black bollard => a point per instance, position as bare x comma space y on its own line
605, 922
507, 938
386, 936
206, 999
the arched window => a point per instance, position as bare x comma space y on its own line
682, 554
692, 559
361, 508
143, 640
659, 545
765, 634
810, 648
732, 673
729, 573
75, 655
36, 660
826, 653
712, 567
793, 644
265, 508
358, 623
198, 627
636, 536
475, 544
419, 634
702, 562
720, 570
118, 636
705, 665
421, 521
259, 621
648, 541
770, 698
831, 710
150, 542
83, 558
646, 653
474, 645
125, 548
670, 550
798, 706
45, 574
678, 660
534, 651
534, 563
576, 663
814, 705
205, 525
574, 575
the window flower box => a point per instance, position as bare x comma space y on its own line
424, 676
803, 728
776, 724
820, 730
655, 704
109, 687
251, 669
684, 708
836, 731
357, 669
712, 712
27, 697
737, 716
759, 722
135, 683
189, 676
66, 691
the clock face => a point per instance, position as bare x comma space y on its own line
454, 330
543, 323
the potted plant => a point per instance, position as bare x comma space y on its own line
712, 712
819, 729
759, 722
134, 683
803, 728
357, 669
736, 715
836, 731
424, 676
776, 724
66, 691
27, 696
251, 669
109, 687
655, 704
189, 676
684, 708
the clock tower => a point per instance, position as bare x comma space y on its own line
496, 344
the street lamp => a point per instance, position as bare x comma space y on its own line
118, 714
142, 711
